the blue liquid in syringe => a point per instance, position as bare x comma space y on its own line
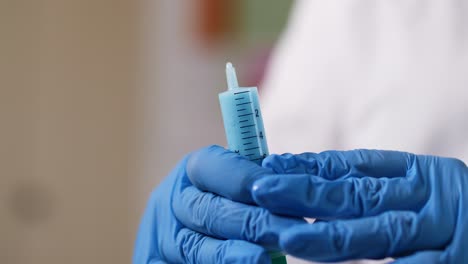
242, 118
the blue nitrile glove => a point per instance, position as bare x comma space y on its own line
390, 204
182, 224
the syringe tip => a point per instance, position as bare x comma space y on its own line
231, 76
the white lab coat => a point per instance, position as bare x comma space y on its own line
387, 74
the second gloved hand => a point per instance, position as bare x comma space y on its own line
384, 204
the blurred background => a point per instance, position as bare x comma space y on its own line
98, 100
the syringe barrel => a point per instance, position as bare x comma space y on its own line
243, 123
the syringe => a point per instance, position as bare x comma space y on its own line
243, 119
243, 124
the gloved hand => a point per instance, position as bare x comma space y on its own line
376, 204
183, 224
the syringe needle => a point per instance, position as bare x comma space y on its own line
231, 77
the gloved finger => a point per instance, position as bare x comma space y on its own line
457, 251
219, 217
387, 235
223, 172
197, 248
342, 164
304, 195
426, 257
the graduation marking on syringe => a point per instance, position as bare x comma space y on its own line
246, 132
251, 148
241, 92
245, 115
242, 121
247, 126
243, 103
238, 110
239, 98
250, 137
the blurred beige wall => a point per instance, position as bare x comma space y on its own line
68, 130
